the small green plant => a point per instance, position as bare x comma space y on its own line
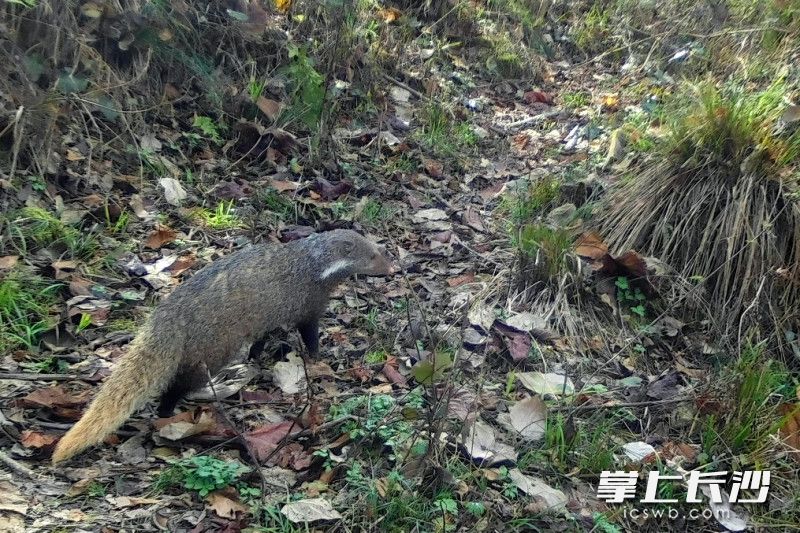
545, 247
85, 322
525, 204
222, 217
632, 297
373, 212
25, 309
328, 462
255, 88
509, 489
118, 226
277, 204
375, 357
35, 228
574, 100
209, 127
202, 473
476, 509
602, 524
592, 31
306, 88
48, 365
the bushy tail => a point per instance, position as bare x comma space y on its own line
138, 375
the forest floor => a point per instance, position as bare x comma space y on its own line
486, 386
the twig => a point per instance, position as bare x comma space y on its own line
16, 466
532, 120
619, 405
18, 128
30, 376
406, 87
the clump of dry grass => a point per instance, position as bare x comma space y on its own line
721, 207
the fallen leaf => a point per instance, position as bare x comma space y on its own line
467, 277
180, 428
289, 375
429, 215
517, 342
550, 383
535, 487
435, 168
160, 236
7, 262
432, 369
266, 438
11, 499
529, 417
174, 193
591, 246
225, 504
790, 429
478, 438
638, 451
535, 96
311, 510
35, 439
389, 14
270, 108
122, 502
53, 397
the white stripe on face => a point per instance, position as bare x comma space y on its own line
336, 266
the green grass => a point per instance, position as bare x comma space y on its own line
279, 205
374, 212
755, 383
442, 134
201, 473
26, 302
730, 126
574, 100
592, 31
549, 246
34, 228
222, 217
523, 206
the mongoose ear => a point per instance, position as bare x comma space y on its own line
345, 246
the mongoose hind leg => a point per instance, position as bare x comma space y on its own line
181, 385
309, 332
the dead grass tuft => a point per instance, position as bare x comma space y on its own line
721, 208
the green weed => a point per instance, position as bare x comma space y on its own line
575, 100
547, 247
201, 473
732, 126
306, 89
222, 217
209, 127
25, 309
33, 228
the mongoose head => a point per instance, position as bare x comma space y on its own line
342, 253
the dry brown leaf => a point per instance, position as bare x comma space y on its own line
790, 430
53, 397
7, 262
160, 236
35, 439
591, 245
467, 277
270, 108
389, 14
225, 503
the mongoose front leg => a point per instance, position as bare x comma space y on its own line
309, 332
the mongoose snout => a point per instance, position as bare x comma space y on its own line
234, 301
